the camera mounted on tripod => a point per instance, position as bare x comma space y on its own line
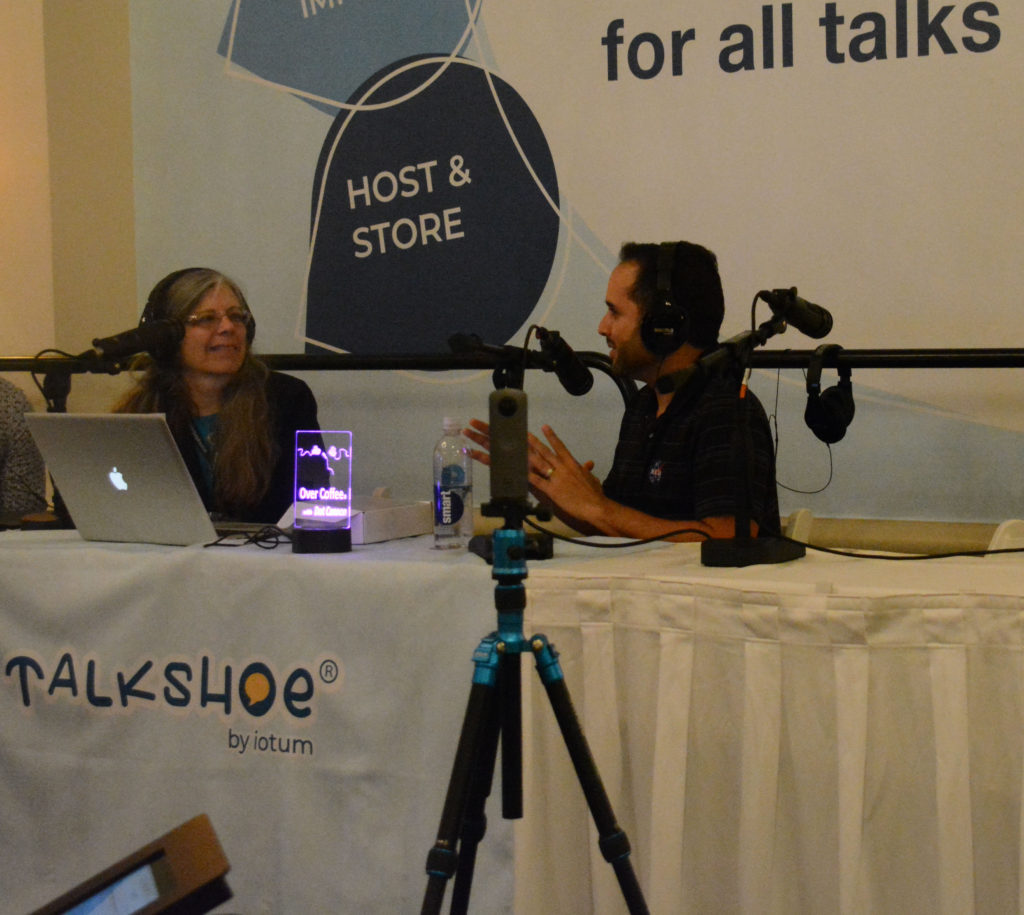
510, 490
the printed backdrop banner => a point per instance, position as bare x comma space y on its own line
380, 177
470, 206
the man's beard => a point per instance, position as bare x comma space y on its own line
630, 359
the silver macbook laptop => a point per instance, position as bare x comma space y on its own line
122, 477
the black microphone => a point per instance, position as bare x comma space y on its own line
574, 375
805, 316
152, 337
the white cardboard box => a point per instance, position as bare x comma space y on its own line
378, 518
375, 519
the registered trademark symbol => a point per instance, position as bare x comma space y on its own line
329, 671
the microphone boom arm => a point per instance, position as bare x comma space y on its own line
510, 361
730, 354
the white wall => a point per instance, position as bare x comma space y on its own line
26, 269
68, 270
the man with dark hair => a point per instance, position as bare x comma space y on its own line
681, 461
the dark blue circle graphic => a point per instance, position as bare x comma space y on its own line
435, 212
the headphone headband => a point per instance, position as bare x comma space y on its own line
817, 363
158, 304
666, 262
665, 325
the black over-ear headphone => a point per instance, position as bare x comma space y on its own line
157, 306
828, 413
665, 326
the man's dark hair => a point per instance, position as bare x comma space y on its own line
696, 286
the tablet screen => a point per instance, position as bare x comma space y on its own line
126, 896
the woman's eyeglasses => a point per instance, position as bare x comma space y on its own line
210, 320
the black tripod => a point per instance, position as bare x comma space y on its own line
495, 708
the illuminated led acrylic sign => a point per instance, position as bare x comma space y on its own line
323, 492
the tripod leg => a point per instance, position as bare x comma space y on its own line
474, 824
478, 731
510, 699
613, 842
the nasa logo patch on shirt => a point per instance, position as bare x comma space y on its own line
654, 472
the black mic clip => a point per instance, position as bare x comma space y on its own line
732, 355
555, 356
726, 356
806, 317
574, 376
511, 360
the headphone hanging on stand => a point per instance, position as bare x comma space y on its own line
665, 326
830, 412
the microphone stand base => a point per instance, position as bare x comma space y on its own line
312, 540
749, 552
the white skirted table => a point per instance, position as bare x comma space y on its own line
310, 705
829, 735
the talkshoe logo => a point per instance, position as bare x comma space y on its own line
254, 690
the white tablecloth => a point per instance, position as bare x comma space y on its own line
334, 811
829, 735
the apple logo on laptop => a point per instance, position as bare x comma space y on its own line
117, 479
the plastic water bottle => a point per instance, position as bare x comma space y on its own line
453, 489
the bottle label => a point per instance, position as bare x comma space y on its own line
449, 505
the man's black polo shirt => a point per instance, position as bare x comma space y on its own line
690, 463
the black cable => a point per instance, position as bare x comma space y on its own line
810, 546
904, 557
813, 492
266, 538
773, 423
616, 546
35, 378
